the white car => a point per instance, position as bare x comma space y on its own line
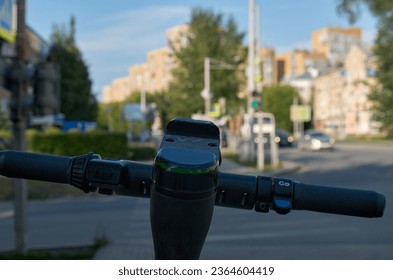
314, 140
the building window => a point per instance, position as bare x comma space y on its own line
370, 72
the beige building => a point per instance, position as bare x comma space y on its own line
138, 76
297, 62
159, 68
324, 79
298, 69
177, 37
335, 42
330, 46
290, 63
341, 103
117, 91
154, 75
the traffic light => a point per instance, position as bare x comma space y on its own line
256, 100
18, 80
46, 89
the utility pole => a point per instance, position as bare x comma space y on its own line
19, 129
258, 86
143, 100
207, 95
206, 75
250, 150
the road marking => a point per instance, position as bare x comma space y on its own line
6, 214
282, 234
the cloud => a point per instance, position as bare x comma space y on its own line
124, 39
133, 30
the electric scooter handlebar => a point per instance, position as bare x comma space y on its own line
89, 172
33, 166
363, 203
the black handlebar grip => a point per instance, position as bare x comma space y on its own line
343, 201
35, 166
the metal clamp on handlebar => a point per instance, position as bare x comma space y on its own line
264, 194
275, 194
78, 172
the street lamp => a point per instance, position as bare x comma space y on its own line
206, 92
212, 64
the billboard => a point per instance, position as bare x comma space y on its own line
133, 112
6, 20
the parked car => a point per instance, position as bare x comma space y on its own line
283, 138
314, 140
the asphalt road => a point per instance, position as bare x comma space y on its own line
234, 233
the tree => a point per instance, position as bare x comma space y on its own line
5, 123
111, 117
77, 100
382, 94
209, 37
277, 100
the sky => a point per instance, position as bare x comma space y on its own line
114, 35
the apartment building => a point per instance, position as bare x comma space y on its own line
138, 76
159, 66
330, 46
154, 75
290, 63
298, 68
297, 62
335, 42
321, 67
341, 103
177, 37
117, 91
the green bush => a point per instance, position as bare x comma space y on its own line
6, 134
141, 153
108, 145
53, 130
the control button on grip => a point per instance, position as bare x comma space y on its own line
282, 195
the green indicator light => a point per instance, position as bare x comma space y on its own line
254, 104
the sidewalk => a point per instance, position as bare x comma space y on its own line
233, 167
143, 249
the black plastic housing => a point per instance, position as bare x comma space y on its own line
185, 174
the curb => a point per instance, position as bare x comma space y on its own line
288, 167
286, 170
